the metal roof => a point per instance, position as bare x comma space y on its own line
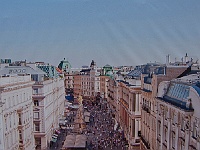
13, 70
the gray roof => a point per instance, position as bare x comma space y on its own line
135, 73
20, 70
107, 65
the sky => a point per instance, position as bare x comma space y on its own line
115, 32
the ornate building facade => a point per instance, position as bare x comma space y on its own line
48, 98
177, 119
16, 113
149, 86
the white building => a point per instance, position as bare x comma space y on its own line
48, 97
16, 113
178, 114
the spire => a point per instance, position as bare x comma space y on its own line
186, 58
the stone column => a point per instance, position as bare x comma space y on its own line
43, 143
168, 133
187, 138
177, 127
136, 102
162, 131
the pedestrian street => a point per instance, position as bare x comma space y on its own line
100, 130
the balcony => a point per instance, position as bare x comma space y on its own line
39, 134
21, 145
177, 103
20, 126
38, 83
146, 90
38, 95
36, 119
146, 108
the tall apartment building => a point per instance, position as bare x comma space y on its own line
151, 77
178, 114
105, 75
49, 101
130, 112
16, 112
86, 82
48, 97
104, 86
124, 98
77, 85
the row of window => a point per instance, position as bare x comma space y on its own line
17, 136
184, 123
12, 120
17, 99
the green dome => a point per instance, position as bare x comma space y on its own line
65, 66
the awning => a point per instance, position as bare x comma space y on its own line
53, 140
86, 113
63, 127
69, 144
54, 137
75, 141
80, 141
87, 119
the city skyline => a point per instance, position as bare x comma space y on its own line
111, 32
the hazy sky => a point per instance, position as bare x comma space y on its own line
115, 32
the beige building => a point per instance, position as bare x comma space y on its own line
104, 86
124, 98
87, 82
16, 112
77, 85
130, 112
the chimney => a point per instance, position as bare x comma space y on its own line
168, 59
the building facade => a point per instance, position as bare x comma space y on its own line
150, 80
124, 100
104, 86
86, 82
48, 98
177, 120
16, 113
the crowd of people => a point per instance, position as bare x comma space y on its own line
100, 130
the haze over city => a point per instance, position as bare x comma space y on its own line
111, 32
